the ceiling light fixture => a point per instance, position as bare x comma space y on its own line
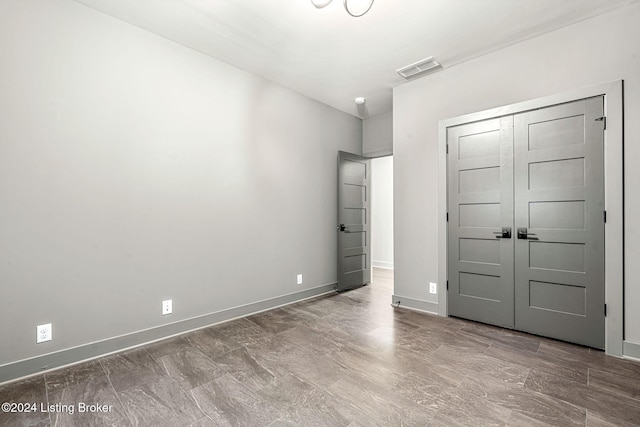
361, 107
355, 8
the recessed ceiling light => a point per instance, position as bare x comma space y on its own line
421, 67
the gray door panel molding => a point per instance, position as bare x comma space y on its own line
354, 221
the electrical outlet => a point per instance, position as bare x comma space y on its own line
44, 333
433, 288
167, 307
299, 279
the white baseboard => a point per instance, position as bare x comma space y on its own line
71, 356
382, 264
415, 304
631, 350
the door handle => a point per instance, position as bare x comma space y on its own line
524, 234
342, 227
504, 234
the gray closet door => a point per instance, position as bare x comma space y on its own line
354, 213
559, 207
480, 199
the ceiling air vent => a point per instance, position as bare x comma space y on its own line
420, 67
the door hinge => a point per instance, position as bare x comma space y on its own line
605, 217
447, 148
447, 285
605, 310
447, 216
603, 119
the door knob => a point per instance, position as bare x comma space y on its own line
342, 227
504, 234
524, 234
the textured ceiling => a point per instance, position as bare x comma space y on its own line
332, 57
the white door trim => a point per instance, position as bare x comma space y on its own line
614, 185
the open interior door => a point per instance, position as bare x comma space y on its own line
354, 260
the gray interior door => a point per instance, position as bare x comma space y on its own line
559, 203
480, 204
539, 174
354, 261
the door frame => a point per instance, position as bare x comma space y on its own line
613, 187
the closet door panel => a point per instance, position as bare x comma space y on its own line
559, 221
480, 194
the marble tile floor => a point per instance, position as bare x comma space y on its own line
346, 359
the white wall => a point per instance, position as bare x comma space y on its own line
598, 50
377, 135
134, 170
382, 212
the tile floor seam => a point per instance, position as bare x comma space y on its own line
46, 396
193, 398
615, 392
526, 378
113, 389
599, 414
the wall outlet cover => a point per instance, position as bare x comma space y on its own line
44, 333
433, 288
299, 279
167, 307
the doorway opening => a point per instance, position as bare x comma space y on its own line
382, 224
